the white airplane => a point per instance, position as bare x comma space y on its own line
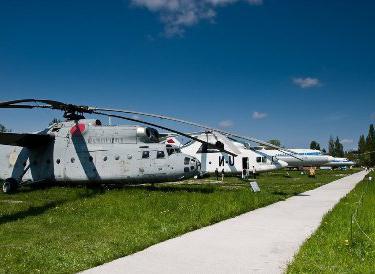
212, 158
310, 157
339, 162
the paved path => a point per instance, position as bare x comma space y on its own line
260, 241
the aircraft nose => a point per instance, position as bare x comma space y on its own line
283, 163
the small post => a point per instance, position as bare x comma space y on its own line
351, 229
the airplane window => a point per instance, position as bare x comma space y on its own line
72, 160
117, 158
145, 154
259, 159
186, 160
105, 158
160, 154
58, 161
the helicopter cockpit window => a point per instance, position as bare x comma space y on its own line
264, 159
171, 150
259, 159
160, 154
145, 154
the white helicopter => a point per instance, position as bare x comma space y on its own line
82, 150
212, 159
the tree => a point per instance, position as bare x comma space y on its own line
314, 145
331, 147
362, 150
275, 142
54, 121
370, 145
3, 128
339, 148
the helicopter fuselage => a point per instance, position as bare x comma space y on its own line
86, 151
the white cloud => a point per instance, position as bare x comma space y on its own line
179, 14
226, 123
307, 82
347, 141
259, 115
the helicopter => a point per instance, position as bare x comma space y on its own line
249, 161
81, 150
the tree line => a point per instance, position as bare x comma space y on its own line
366, 148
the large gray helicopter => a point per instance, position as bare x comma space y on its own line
83, 150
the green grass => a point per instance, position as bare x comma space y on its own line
65, 230
334, 247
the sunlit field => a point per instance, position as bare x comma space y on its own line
68, 229
339, 246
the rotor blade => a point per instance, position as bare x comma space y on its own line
161, 127
286, 151
50, 104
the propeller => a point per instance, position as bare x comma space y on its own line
221, 148
284, 150
75, 112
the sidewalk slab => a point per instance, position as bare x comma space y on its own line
260, 241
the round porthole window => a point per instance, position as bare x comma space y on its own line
105, 158
117, 158
209, 162
72, 160
130, 156
58, 161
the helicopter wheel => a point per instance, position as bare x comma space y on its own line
10, 185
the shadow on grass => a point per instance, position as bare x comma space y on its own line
32, 211
177, 188
288, 194
38, 210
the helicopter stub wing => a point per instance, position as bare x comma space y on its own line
28, 140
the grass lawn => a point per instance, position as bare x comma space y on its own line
334, 247
65, 230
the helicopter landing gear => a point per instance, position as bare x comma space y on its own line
10, 185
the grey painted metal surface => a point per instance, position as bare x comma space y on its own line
261, 241
84, 150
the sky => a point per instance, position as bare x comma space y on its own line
294, 70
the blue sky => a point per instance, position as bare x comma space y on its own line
293, 70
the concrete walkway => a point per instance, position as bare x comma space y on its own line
260, 241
